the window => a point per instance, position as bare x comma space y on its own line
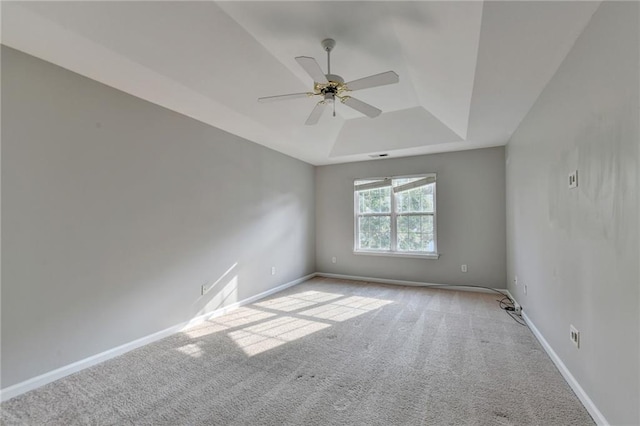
396, 216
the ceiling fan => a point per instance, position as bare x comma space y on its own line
331, 86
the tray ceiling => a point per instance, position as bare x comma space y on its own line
469, 71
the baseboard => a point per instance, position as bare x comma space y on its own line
51, 376
411, 283
598, 417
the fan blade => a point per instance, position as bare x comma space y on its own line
316, 113
381, 79
366, 109
285, 97
312, 68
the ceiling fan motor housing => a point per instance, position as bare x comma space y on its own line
333, 88
334, 78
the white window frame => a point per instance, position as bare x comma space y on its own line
394, 222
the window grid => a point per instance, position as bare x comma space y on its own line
416, 237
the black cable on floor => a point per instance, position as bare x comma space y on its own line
509, 307
515, 318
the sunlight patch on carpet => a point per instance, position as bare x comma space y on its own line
298, 301
192, 349
236, 318
330, 308
345, 309
271, 334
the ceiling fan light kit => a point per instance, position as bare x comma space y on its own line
331, 86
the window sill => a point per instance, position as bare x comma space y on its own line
396, 254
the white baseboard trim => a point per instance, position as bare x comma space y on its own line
598, 417
51, 376
411, 283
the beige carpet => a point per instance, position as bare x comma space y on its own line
326, 352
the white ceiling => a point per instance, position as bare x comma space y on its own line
469, 71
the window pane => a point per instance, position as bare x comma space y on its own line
374, 233
427, 205
402, 181
415, 233
416, 200
375, 200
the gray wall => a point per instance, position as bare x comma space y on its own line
470, 219
115, 212
577, 250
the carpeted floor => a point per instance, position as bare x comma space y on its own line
326, 352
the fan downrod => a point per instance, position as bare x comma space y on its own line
328, 44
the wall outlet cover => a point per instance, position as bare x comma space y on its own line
574, 335
573, 179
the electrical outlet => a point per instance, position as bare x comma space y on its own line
334, 260
524, 287
463, 268
204, 289
573, 179
273, 270
515, 280
574, 335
